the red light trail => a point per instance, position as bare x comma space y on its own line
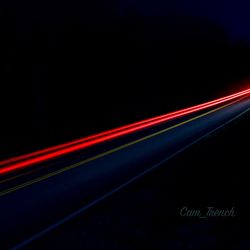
40, 156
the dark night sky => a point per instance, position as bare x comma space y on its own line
232, 15
67, 62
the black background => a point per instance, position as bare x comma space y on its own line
71, 69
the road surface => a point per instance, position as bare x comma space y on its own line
34, 202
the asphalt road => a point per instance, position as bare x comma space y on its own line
36, 203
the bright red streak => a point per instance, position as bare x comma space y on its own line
60, 150
51, 149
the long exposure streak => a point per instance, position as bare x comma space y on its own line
40, 156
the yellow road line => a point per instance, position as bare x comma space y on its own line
10, 190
